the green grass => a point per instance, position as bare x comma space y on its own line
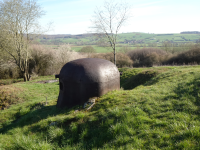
156, 108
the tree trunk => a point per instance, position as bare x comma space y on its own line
26, 73
26, 76
114, 56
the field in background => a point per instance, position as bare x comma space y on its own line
131, 40
119, 47
123, 38
151, 38
156, 108
97, 48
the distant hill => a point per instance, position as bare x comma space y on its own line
124, 38
190, 32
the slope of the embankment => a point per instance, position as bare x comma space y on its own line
156, 108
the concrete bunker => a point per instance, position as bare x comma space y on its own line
84, 78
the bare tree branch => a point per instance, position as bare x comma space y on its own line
109, 20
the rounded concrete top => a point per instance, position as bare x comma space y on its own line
89, 70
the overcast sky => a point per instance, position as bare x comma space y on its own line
149, 16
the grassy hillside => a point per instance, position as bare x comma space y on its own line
152, 38
132, 40
124, 38
156, 108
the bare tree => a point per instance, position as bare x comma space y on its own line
109, 19
18, 26
64, 52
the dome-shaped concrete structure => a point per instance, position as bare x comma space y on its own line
84, 78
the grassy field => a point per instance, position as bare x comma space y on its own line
153, 38
156, 108
96, 47
181, 42
145, 37
119, 47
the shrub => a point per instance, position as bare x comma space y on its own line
9, 70
87, 49
147, 57
188, 57
41, 60
50, 61
125, 49
63, 55
8, 96
122, 60
151, 59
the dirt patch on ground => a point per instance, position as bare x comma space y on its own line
47, 81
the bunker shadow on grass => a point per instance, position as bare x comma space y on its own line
142, 78
36, 114
94, 133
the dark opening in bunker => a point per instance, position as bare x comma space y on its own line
61, 86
